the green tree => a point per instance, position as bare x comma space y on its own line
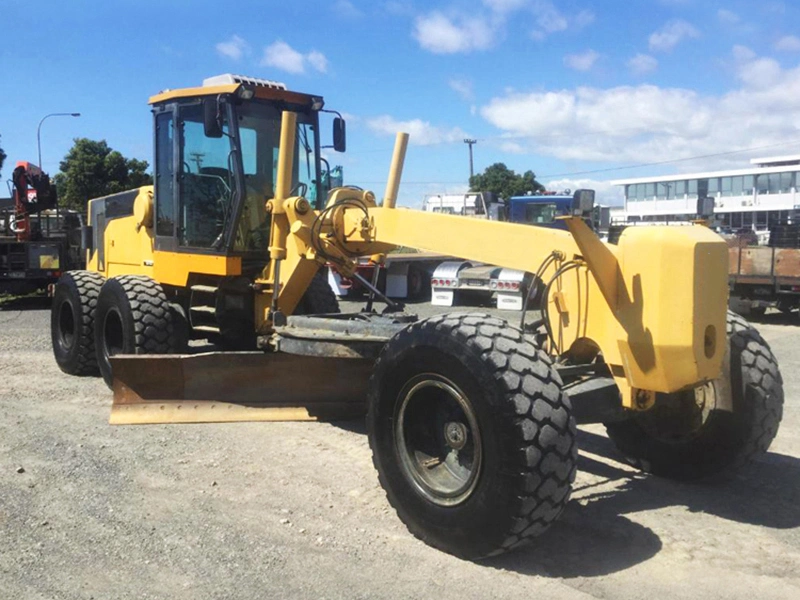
92, 169
504, 182
2, 158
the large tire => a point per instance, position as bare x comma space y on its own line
472, 385
690, 436
72, 321
319, 298
133, 317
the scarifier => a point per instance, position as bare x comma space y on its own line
471, 420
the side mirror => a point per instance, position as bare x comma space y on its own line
339, 134
211, 125
582, 203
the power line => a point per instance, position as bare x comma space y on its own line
667, 162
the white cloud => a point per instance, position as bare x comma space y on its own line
728, 17
759, 73
645, 123
463, 87
234, 48
671, 34
583, 61
505, 6
743, 53
346, 9
788, 43
281, 55
448, 35
642, 64
317, 61
549, 19
422, 132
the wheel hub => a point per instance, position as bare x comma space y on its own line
437, 440
456, 435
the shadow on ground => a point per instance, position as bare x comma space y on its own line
24, 303
594, 537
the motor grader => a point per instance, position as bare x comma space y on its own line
471, 419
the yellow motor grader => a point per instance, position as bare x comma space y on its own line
471, 420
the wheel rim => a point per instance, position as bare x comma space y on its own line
438, 440
66, 325
113, 336
681, 416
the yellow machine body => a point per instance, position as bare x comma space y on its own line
652, 308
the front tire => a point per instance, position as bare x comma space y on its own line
471, 434
72, 320
319, 298
719, 428
133, 317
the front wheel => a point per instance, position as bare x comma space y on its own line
717, 427
133, 317
471, 434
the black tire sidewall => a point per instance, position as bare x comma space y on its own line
725, 440
68, 358
477, 526
113, 299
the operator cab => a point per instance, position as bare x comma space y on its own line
216, 160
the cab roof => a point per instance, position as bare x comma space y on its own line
230, 84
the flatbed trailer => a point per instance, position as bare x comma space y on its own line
762, 277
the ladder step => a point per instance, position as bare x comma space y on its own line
206, 289
210, 310
206, 328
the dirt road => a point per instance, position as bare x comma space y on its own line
291, 510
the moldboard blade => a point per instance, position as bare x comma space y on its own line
218, 387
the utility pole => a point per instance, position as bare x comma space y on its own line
470, 142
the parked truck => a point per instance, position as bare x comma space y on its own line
458, 281
762, 277
38, 241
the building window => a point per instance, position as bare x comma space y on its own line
749, 184
680, 189
786, 182
737, 186
649, 191
713, 187
762, 183
692, 186
726, 186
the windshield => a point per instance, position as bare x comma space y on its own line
541, 214
259, 134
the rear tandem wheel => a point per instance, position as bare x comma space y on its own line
716, 428
471, 434
133, 317
72, 319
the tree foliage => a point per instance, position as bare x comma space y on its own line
2, 158
504, 182
92, 169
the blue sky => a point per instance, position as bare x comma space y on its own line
557, 87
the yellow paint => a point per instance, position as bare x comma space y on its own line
195, 92
174, 268
667, 286
151, 413
47, 261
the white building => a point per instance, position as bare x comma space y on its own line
756, 198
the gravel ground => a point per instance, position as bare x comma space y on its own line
294, 509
